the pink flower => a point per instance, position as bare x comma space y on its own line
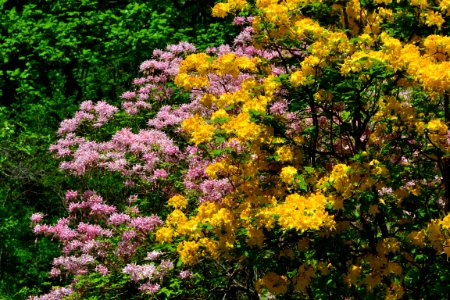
54, 294
146, 223
54, 272
153, 255
102, 269
160, 174
215, 190
117, 219
128, 235
166, 265
37, 217
128, 95
132, 199
149, 288
279, 108
98, 208
87, 105
71, 195
185, 274
137, 272
40, 229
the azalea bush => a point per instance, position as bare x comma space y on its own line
309, 159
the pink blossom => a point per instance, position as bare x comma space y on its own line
137, 272
128, 235
146, 223
181, 47
55, 272
129, 183
128, 95
118, 218
70, 194
385, 191
132, 199
91, 231
102, 269
149, 288
160, 174
239, 20
62, 232
166, 265
153, 255
72, 246
185, 274
74, 264
37, 217
98, 208
55, 294
40, 229
279, 108
215, 190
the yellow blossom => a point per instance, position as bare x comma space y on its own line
220, 10
175, 218
353, 275
188, 251
178, 201
164, 235
287, 174
219, 115
255, 237
275, 283
303, 279
298, 78
199, 130
285, 154
434, 18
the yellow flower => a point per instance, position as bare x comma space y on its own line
214, 169
301, 213
242, 127
271, 85
419, 3
437, 126
164, 235
434, 18
438, 132
221, 10
285, 154
353, 274
178, 201
199, 130
188, 251
255, 237
287, 174
418, 237
298, 78
395, 291
219, 114
176, 217
303, 278
275, 283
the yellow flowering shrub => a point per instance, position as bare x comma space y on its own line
330, 146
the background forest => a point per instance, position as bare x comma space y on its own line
53, 55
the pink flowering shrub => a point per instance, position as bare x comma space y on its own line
97, 240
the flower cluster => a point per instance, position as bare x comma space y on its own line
87, 245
